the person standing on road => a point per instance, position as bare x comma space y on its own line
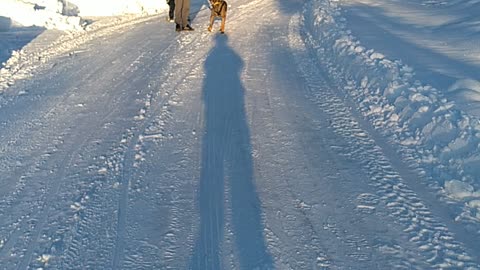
182, 11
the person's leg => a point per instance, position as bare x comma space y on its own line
178, 12
185, 12
171, 11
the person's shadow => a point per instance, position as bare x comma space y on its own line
227, 170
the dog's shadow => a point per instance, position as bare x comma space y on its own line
226, 177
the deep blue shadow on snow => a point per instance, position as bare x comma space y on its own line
422, 58
434, 68
196, 7
290, 6
14, 38
227, 162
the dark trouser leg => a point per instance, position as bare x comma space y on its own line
171, 11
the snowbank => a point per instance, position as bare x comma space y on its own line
430, 130
46, 14
66, 15
117, 7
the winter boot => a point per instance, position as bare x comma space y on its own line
188, 28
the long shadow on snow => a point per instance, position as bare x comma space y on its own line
226, 156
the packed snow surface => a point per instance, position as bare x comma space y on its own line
330, 134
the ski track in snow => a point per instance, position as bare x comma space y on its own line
109, 178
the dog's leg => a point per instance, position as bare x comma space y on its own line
222, 26
224, 16
212, 18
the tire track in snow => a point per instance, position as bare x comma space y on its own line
51, 189
118, 170
92, 215
432, 239
59, 159
39, 195
292, 239
34, 197
127, 170
152, 120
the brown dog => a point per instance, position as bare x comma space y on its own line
219, 9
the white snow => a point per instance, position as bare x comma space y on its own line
67, 15
391, 78
116, 7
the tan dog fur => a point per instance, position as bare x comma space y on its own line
219, 9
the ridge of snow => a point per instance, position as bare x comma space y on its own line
117, 7
434, 134
38, 14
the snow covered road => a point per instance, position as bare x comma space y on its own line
151, 149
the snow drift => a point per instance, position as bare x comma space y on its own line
67, 15
115, 7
